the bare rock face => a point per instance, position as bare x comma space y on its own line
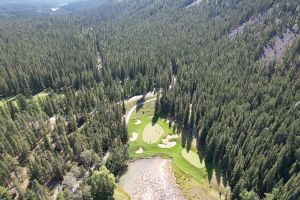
240, 29
194, 3
275, 51
148, 179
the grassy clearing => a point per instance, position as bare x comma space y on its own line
151, 150
121, 194
190, 173
132, 103
36, 98
190, 187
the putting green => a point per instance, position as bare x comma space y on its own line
193, 158
152, 134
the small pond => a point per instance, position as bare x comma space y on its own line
150, 179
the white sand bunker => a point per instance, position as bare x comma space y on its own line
166, 142
152, 134
134, 137
139, 151
138, 121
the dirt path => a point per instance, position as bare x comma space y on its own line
99, 61
129, 113
148, 179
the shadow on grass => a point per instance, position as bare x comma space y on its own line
140, 103
187, 138
155, 119
211, 166
209, 169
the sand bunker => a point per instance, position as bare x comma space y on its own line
152, 134
139, 151
134, 137
166, 142
167, 145
138, 121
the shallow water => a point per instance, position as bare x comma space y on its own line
150, 179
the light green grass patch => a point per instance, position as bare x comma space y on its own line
152, 133
151, 150
190, 174
2, 102
193, 158
130, 104
121, 194
189, 186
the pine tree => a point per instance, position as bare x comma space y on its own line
102, 184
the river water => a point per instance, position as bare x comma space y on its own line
151, 179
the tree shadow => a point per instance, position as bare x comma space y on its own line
218, 174
209, 169
201, 152
202, 156
170, 125
140, 103
224, 178
221, 175
195, 133
184, 138
155, 119
189, 139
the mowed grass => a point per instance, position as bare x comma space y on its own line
145, 114
152, 133
132, 103
193, 158
120, 194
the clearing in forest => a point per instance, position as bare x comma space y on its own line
152, 133
193, 174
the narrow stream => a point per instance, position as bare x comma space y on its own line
148, 179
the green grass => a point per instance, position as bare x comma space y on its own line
130, 104
2, 102
121, 194
193, 189
193, 158
40, 96
152, 133
151, 150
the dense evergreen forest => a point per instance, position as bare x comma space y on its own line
243, 112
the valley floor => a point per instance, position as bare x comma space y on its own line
191, 173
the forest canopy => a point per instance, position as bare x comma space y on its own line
205, 58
